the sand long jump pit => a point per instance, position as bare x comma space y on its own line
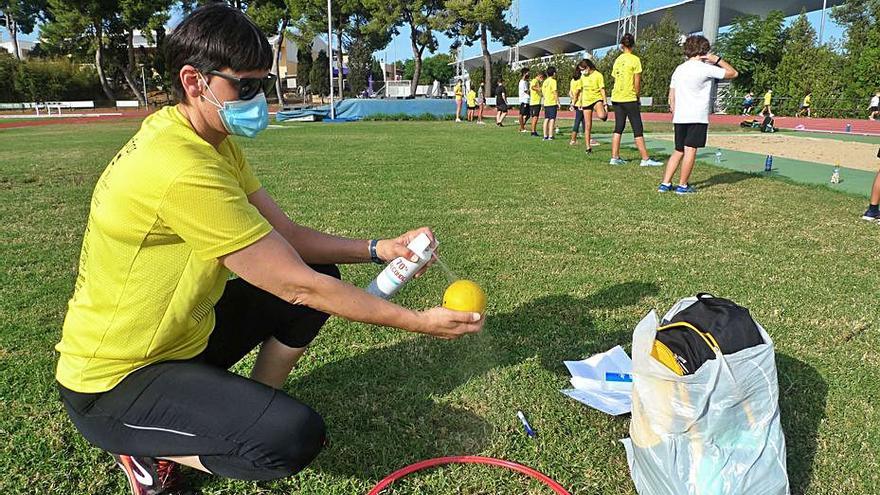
849, 154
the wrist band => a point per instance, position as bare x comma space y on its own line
373, 256
718, 62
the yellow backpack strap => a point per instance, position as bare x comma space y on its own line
707, 337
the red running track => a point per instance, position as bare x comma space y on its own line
858, 126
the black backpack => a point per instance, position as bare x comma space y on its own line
711, 322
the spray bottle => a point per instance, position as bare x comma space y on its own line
401, 270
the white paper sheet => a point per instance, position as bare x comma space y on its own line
591, 387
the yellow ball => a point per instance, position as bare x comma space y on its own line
465, 295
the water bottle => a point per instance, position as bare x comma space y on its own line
718, 157
835, 175
401, 270
848, 127
768, 163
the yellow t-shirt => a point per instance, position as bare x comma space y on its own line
625, 68
458, 92
548, 89
592, 85
768, 97
165, 208
808, 100
535, 95
472, 98
573, 87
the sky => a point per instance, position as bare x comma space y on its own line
544, 18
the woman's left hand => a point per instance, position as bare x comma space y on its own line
389, 249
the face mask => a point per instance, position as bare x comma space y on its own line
242, 117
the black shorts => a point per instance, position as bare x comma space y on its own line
550, 112
238, 428
524, 110
690, 135
535, 111
873, 109
471, 108
628, 110
501, 106
591, 106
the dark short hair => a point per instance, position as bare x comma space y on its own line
695, 45
587, 63
524, 71
216, 37
628, 40
551, 71
542, 73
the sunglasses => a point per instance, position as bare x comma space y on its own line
248, 87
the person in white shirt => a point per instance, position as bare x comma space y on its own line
523, 95
689, 98
875, 106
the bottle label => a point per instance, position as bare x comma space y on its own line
395, 275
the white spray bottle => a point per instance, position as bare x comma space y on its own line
401, 270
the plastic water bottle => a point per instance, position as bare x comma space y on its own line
401, 270
768, 163
835, 175
848, 127
718, 157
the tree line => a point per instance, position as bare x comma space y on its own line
101, 33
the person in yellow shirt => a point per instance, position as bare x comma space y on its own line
471, 104
535, 97
806, 105
155, 322
551, 103
592, 99
458, 98
768, 100
574, 94
627, 74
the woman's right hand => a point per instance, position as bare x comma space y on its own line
448, 324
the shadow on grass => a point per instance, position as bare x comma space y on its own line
802, 395
725, 178
385, 408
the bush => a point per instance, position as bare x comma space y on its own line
46, 80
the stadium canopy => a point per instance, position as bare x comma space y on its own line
688, 13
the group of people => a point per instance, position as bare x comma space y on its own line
689, 97
805, 109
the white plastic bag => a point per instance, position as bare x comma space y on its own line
715, 432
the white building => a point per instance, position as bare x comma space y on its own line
24, 47
287, 68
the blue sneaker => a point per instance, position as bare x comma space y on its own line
664, 188
871, 215
617, 161
683, 190
536, 134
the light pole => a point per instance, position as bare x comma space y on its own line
822, 24
330, 61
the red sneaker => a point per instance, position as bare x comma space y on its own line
149, 476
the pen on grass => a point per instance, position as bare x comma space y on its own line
529, 430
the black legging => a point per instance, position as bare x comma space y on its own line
237, 427
628, 110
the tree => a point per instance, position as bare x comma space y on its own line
90, 17
861, 18
139, 15
806, 67
20, 16
755, 47
420, 16
471, 20
273, 18
658, 47
438, 67
319, 77
303, 64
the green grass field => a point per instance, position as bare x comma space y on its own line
572, 253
